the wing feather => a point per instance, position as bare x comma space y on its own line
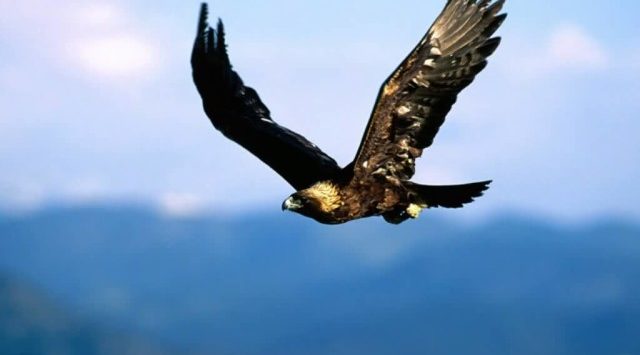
413, 102
237, 111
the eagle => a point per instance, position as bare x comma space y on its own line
410, 108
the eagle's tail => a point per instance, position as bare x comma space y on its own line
448, 196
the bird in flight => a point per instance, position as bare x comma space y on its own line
410, 108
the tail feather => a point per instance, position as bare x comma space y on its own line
449, 196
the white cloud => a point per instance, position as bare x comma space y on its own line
26, 197
567, 48
103, 40
181, 204
114, 55
572, 47
97, 14
30, 194
110, 46
84, 190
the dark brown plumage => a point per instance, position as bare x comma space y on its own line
411, 106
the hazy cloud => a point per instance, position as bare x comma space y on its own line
87, 189
100, 39
567, 48
181, 204
114, 56
110, 46
23, 197
570, 46
100, 14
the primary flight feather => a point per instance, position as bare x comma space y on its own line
411, 106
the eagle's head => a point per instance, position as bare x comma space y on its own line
318, 202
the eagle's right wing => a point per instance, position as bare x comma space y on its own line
236, 111
414, 101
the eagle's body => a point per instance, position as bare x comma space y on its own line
331, 202
411, 107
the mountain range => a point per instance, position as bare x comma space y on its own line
279, 284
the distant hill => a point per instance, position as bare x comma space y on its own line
281, 284
32, 323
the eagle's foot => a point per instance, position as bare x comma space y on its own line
414, 210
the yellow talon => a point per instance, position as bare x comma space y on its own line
414, 210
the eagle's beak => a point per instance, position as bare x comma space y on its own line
291, 204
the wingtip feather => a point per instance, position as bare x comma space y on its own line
496, 7
489, 47
203, 18
200, 43
220, 37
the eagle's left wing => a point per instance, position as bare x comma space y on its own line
237, 111
414, 100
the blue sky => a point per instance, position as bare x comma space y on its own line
97, 102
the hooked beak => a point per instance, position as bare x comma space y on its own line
291, 204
